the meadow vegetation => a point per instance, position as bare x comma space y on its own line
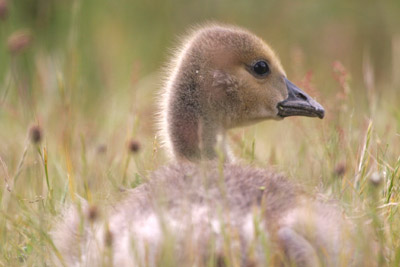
78, 85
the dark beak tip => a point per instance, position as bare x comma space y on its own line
299, 103
321, 113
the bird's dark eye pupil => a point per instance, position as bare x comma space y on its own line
261, 68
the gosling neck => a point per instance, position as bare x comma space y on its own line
194, 132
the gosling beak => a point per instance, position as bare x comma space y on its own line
299, 103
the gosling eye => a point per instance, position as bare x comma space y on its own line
260, 68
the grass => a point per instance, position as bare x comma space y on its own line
84, 75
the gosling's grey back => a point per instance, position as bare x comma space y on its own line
192, 212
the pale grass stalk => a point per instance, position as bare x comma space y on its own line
125, 168
261, 236
7, 192
88, 194
377, 222
70, 176
364, 159
132, 135
21, 162
156, 146
390, 204
6, 90
44, 158
392, 178
6, 175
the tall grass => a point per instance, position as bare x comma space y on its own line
85, 73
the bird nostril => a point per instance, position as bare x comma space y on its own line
302, 96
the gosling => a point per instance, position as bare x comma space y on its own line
203, 211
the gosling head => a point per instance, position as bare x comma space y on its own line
226, 77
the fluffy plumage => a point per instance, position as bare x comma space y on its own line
189, 207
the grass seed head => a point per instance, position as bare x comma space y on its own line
93, 213
102, 149
134, 146
35, 134
19, 41
3, 10
376, 178
340, 169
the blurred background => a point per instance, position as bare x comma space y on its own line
78, 86
88, 54
105, 46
